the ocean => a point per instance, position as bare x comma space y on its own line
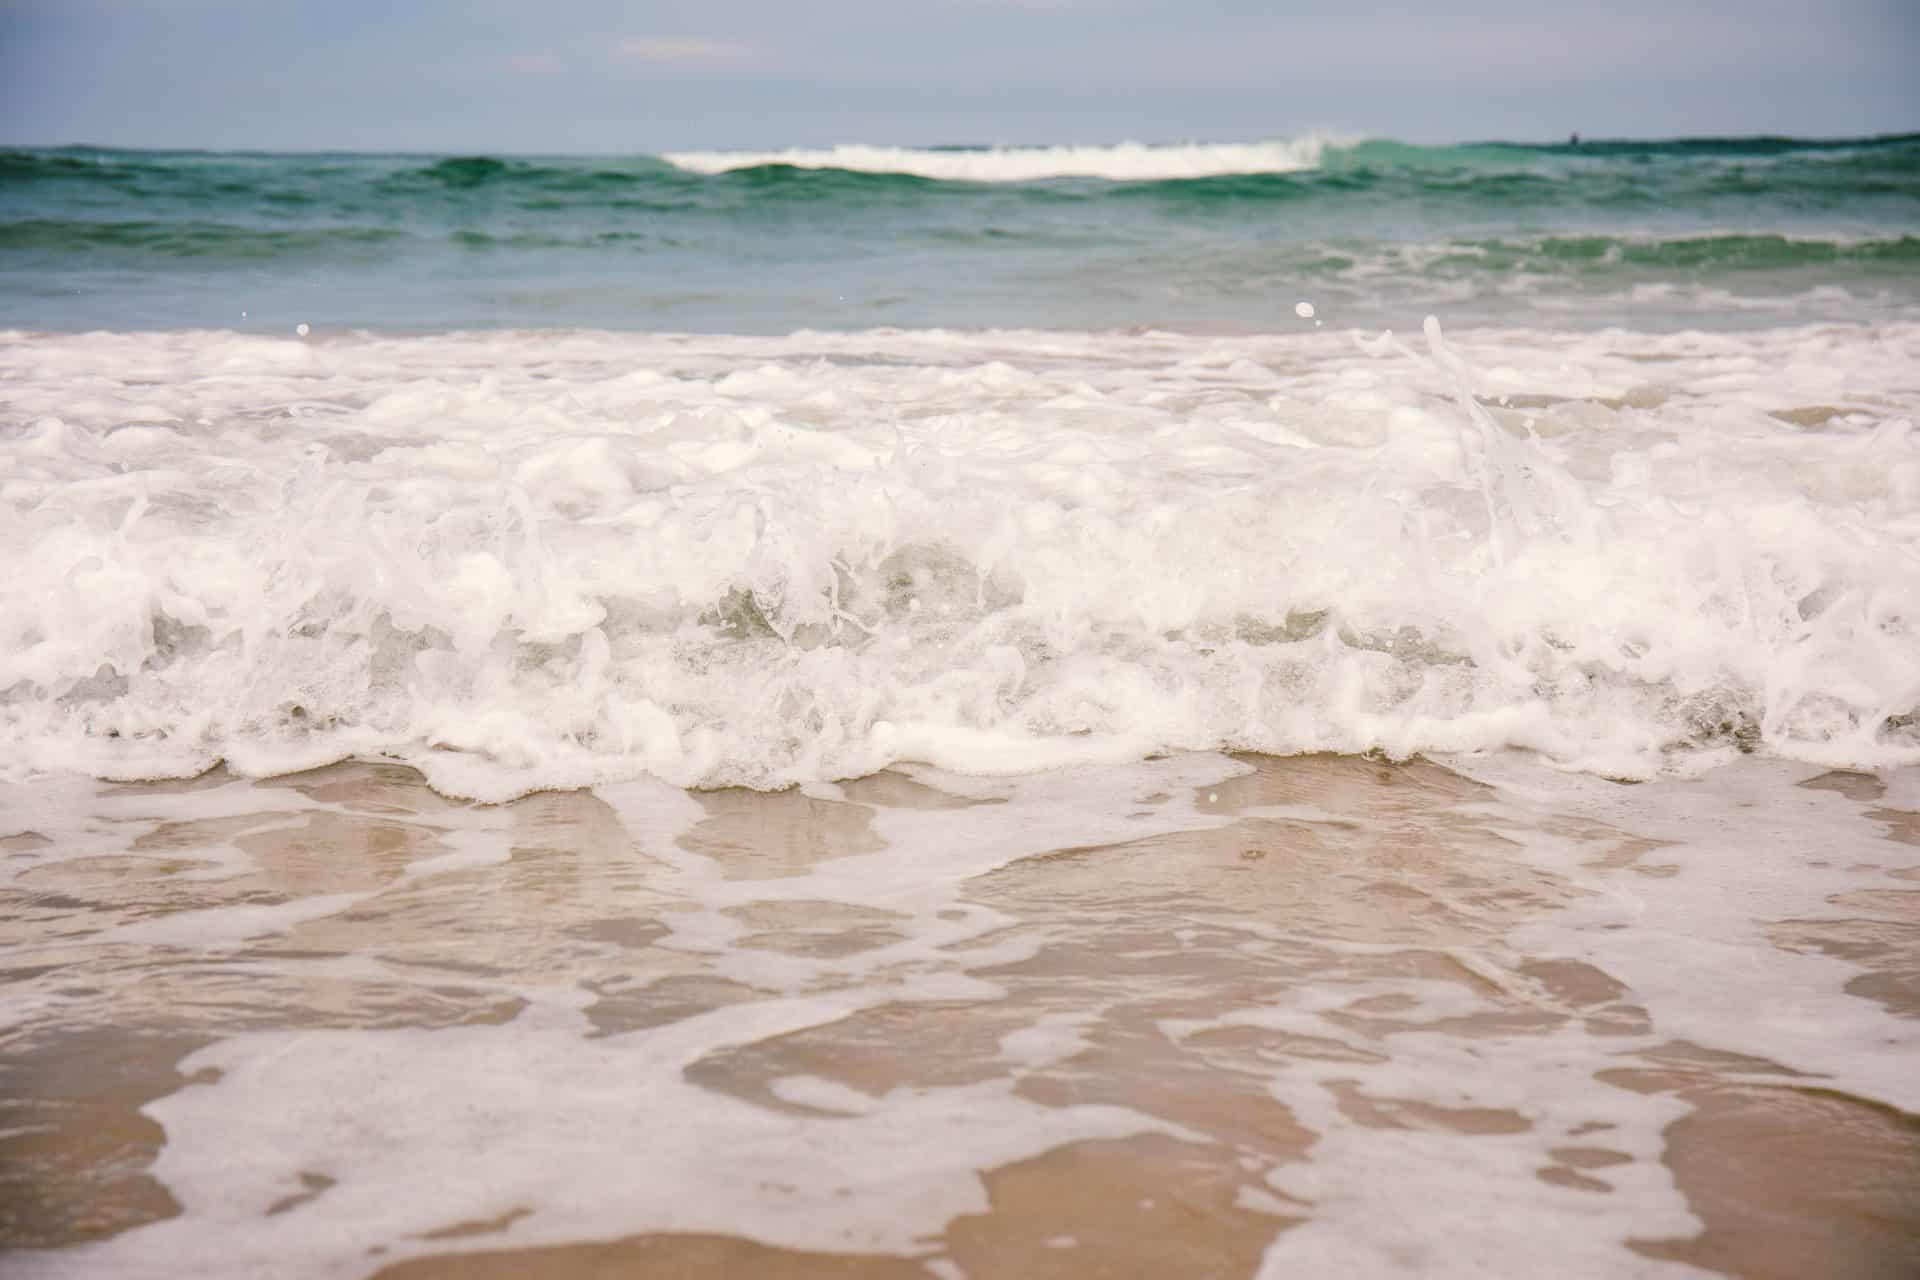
1715, 233
1318, 706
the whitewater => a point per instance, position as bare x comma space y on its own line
534, 560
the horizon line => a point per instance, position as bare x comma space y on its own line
1573, 141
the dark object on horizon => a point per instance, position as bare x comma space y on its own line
1573, 140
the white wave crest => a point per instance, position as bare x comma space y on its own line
1124, 162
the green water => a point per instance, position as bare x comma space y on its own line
1710, 233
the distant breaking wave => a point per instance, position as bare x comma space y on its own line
1125, 162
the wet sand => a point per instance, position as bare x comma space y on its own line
1198, 1017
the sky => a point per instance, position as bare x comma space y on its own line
594, 76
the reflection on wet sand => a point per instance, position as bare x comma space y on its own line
1843, 1172
74, 1147
1307, 990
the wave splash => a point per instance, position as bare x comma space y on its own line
547, 560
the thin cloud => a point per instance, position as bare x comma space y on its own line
681, 49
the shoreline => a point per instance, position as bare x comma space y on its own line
932, 1025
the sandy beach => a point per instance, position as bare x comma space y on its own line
1200, 1016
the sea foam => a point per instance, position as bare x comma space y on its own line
526, 560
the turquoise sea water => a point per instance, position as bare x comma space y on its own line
1712, 233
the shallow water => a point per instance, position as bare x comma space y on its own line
1201, 1015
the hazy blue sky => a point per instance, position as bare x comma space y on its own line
594, 76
